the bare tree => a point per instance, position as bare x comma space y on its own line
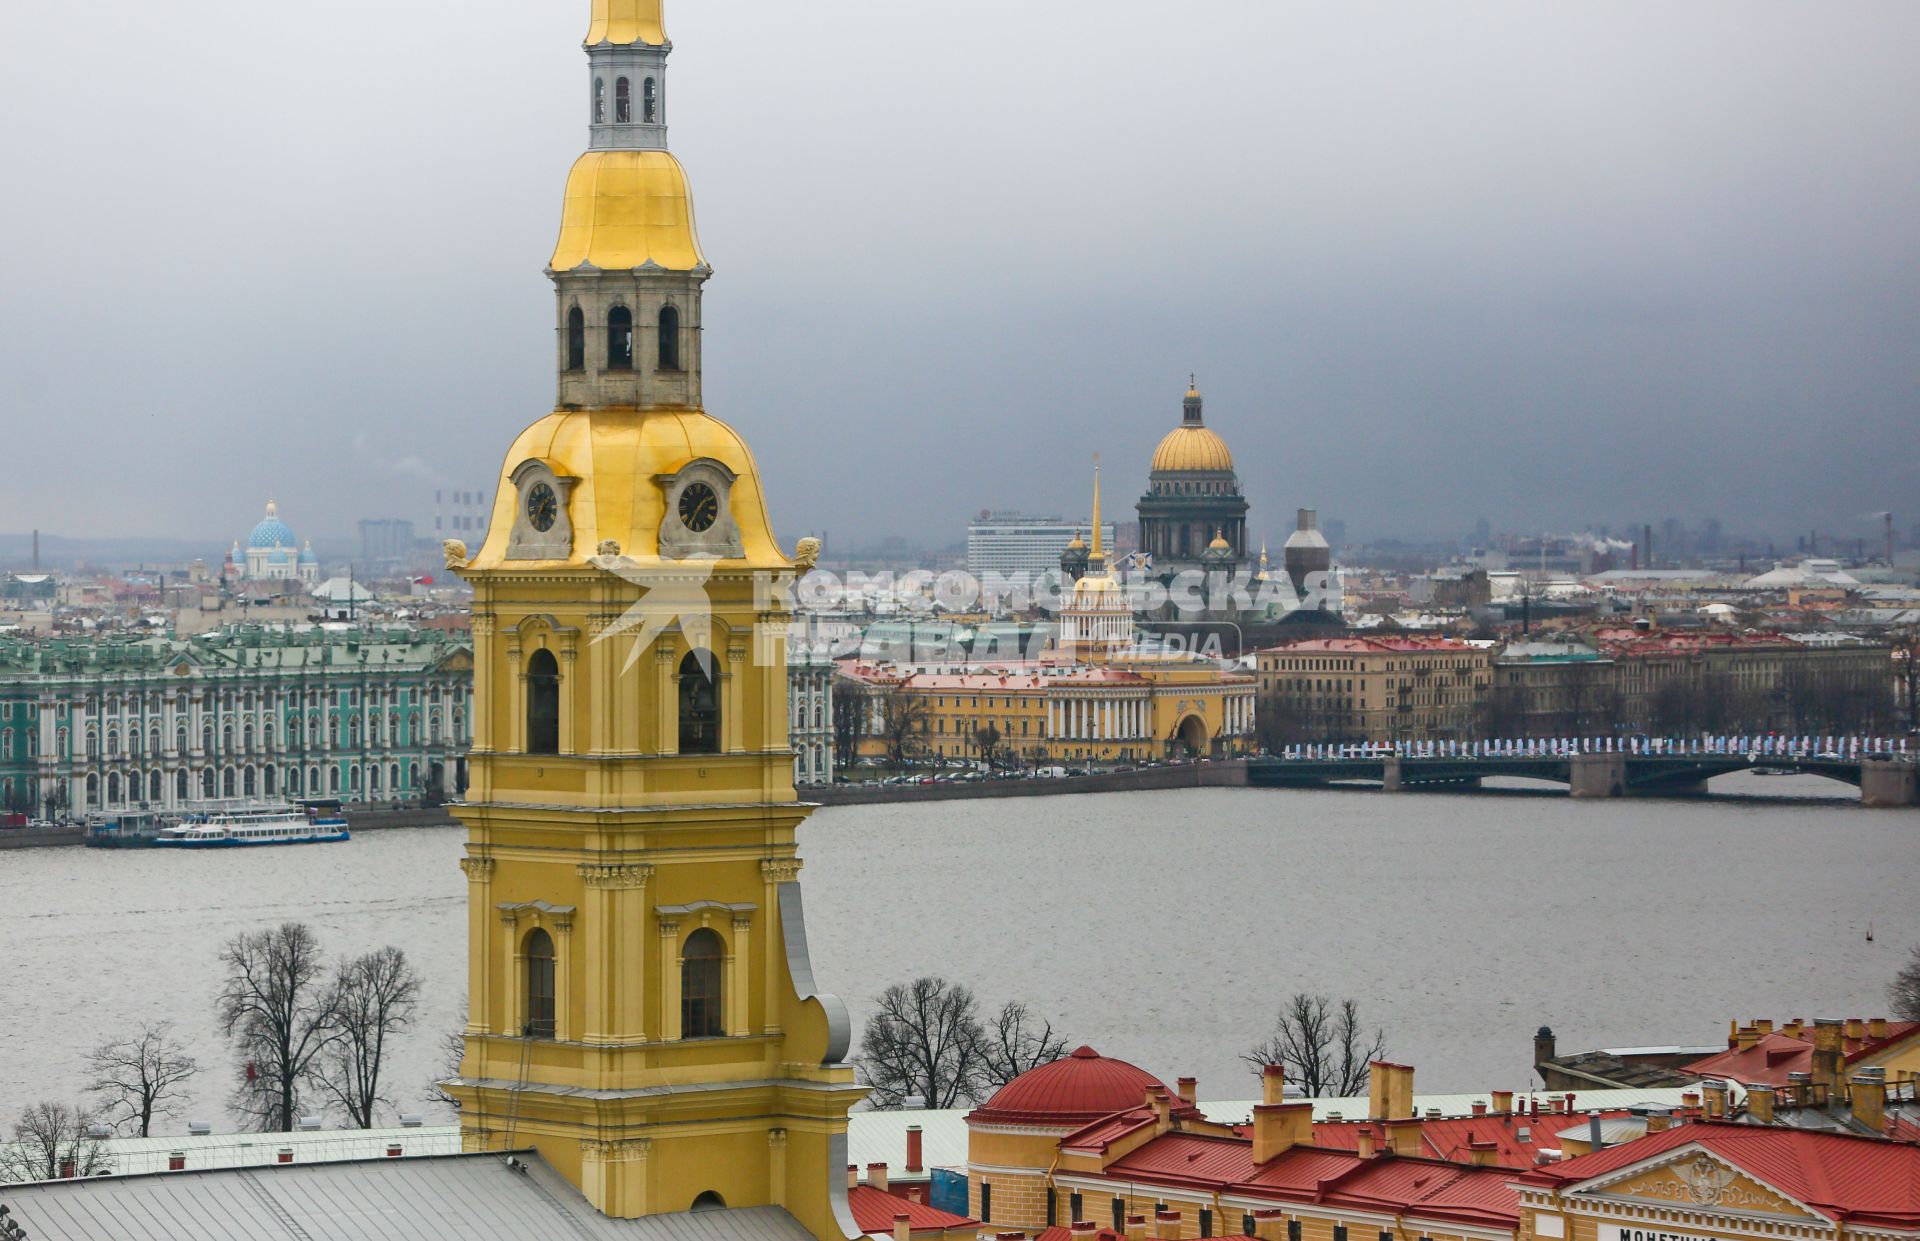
1322, 1046
851, 712
374, 999
986, 741
453, 1049
903, 722
139, 1079
50, 1141
1015, 1041
1903, 993
278, 1009
925, 1041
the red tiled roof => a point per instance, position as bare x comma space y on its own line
874, 1209
1076, 1090
1517, 1137
1418, 1186
1775, 1055
1404, 643
1844, 1177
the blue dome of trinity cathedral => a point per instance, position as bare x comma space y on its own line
271, 532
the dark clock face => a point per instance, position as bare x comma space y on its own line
542, 507
699, 507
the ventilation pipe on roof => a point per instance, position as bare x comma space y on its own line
1596, 1137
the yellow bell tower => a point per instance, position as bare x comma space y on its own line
641, 1010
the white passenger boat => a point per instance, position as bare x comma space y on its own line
314, 821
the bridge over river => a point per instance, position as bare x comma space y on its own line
1884, 778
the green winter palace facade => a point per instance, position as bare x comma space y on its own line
254, 711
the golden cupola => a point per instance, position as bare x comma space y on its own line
1193, 503
1192, 446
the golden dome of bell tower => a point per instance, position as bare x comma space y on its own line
642, 1013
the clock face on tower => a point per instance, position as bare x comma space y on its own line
542, 507
699, 507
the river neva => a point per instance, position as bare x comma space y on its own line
1162, 927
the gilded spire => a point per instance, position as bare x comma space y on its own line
1098, 555
623, 23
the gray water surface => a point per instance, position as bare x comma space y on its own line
1162, 927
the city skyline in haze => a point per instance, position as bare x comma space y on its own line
1548, 266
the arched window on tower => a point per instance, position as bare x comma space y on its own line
619, 339
649, 102
576, 340
540, 989
699, 705
622, 102
700, 968
543, 703
599, 101
669, 338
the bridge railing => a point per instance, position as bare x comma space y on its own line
1756, 748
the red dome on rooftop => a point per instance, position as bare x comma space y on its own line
1075, 1090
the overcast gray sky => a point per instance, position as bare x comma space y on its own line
1546, 263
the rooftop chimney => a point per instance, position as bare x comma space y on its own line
1502, 1102
1273, 1084
1270, 1224
1483, 1154
1870, 1100
1659, 1120
1403, 1136
1760, 1103
914, 1160
1389, 1091
877, 1176
1763, 1024
902, 1228
1136, 1228
1479, 1108
1366, 1142
1745, 1037
1876, 1027
1189, 1090
853, 1175
1083, 1230
1714, 1092
1543, 1044
1829, 1057
1278, 1127
1166, 1225
1794, 1028
1856, 1028
1162, 1111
